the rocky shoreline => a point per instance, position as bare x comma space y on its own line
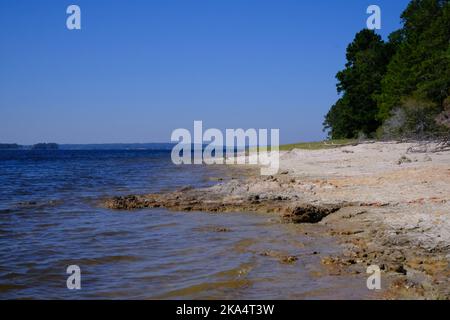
385, 206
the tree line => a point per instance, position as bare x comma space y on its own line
399, 88
37, 146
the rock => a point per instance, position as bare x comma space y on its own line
254, 197
427, 158
126, 203
400, 269
309, 213
403, 159
288, 259
269, 253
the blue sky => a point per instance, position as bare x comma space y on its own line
139, 69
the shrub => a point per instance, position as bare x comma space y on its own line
414, 119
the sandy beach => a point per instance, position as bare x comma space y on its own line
384, 205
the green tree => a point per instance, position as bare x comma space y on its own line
421, 64
356, 111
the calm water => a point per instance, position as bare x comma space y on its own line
50, 218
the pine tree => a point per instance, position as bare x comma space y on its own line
356, 111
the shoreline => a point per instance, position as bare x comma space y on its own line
383, 205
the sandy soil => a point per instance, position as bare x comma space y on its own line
384, 205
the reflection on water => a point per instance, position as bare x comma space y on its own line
50, 219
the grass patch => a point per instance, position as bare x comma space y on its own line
327, 144
319, 145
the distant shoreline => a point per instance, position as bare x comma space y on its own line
96, 146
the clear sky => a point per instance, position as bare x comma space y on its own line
139, 69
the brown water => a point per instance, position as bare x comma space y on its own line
50, 219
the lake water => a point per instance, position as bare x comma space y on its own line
51, 217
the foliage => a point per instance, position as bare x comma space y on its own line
356, 111
45, 146
396, 80
413, 119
